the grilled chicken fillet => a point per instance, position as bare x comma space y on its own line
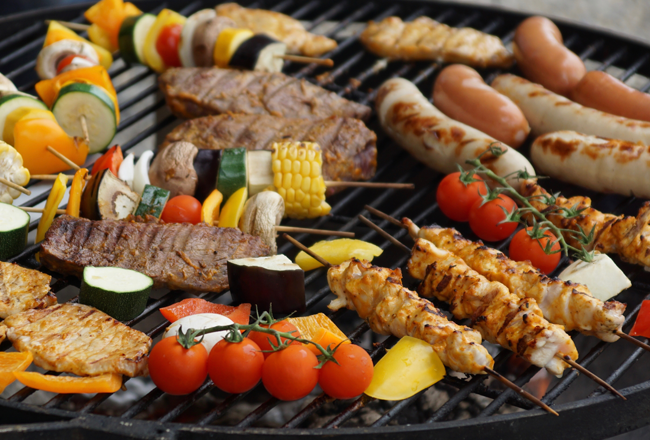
378, 296
78, 339
562, 302
23, 289
500, 316
424, 39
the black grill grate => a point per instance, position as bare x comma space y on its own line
356, 75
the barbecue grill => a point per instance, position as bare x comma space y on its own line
456, 407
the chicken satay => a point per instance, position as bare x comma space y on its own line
378, 296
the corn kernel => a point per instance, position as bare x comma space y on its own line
295, 169
282, 192
302, 154
286, 165
277, 180
291, 195
286, 181
315, 169
277, 166
297, 181
311, 155
306, 184
315, 201
306, 202
300, 194
282, 152
305, 169
315, 186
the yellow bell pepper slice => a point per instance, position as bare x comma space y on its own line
76, 190
10, 362
52, 204
165, 18
227, 44
109, 15
408, 368
210, 208
18, 115
106, 383
101, 37
56, 32
233, 209
338, 251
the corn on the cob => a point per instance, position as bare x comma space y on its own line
297, 177
12, 169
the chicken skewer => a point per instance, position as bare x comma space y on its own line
451, 276
378, 296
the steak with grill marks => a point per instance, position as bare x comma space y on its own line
349, 150
194, 91
176, 255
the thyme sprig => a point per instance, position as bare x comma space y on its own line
527, 213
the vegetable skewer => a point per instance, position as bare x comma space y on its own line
484, 368
15, 186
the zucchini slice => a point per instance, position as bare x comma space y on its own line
14, 227
233, 172
133, 34
121, 293
152, 202
93, 103
13, 102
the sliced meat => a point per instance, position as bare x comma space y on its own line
23, 289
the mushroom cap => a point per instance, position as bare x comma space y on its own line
173, 169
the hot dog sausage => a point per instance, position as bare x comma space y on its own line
543, 57
600, 164
547, 112
603, 92
434, 139
461, 94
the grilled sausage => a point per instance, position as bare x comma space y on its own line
603, 92
600, 164
547, 112
436, 140
543, 58
461, 94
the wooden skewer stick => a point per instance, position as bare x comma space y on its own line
338, 184
632, 340
71, 25
307, 60
298, 230
41, 210
519, 390
385, 216
84, 128
50, 177
311, 253
15, 186
384, 234
68, 162
589, 374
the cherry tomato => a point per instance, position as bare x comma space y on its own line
263, 340
67, 60
523, 247
182, 209
484, 220
167, 44
290, 374
177, 370
455, 199
235, 367
351, 376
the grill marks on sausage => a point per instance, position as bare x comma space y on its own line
592, 146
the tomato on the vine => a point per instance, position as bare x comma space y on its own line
235, 367
351, 376
263, 340
167, 44
523, 247
182, 209
455, 198
290, 374
484, 219
175, 369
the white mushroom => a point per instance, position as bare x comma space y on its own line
77, 63
262, 213
50, 56
6, 84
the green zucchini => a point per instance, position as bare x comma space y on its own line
93, 103
121, 293
14, 227
233, 172
132, 36
12, 102
152, 201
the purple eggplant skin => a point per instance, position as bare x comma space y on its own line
283, 291
206, 165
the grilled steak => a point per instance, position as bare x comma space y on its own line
23, 289
78, 339
193, 92
177, 256
349, 151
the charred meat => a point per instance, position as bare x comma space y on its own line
23, 289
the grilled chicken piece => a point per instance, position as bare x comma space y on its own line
201, 91
279, 26
424, 39
23, 289
78, 339
623, 235
562, 302
501, 317
378, 296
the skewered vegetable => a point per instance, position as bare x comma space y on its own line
126, 170
233, 172
262, 213
152, 201
167, 44
12, 103
233, 209
261, 53
57, 32
141, 172
210, 208
337, 251
133, 35
73, 62
185, 51
76, 191
107, 197
165, 18
229, 40
205, 38
11, 169
602, 276
53, 202
111, 160
109, 15
174, 169
14, 227
47, 62
20, 114
182, 209
260, 170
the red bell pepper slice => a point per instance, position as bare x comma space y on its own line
192, 306
111, 160
642, 323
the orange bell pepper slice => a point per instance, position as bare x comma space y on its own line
57, 32
310, 326
111, 160
31, 139
106, 383
210, 208
76, 190
10, 362
192, 306
326, 339
53, 202
109, 15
